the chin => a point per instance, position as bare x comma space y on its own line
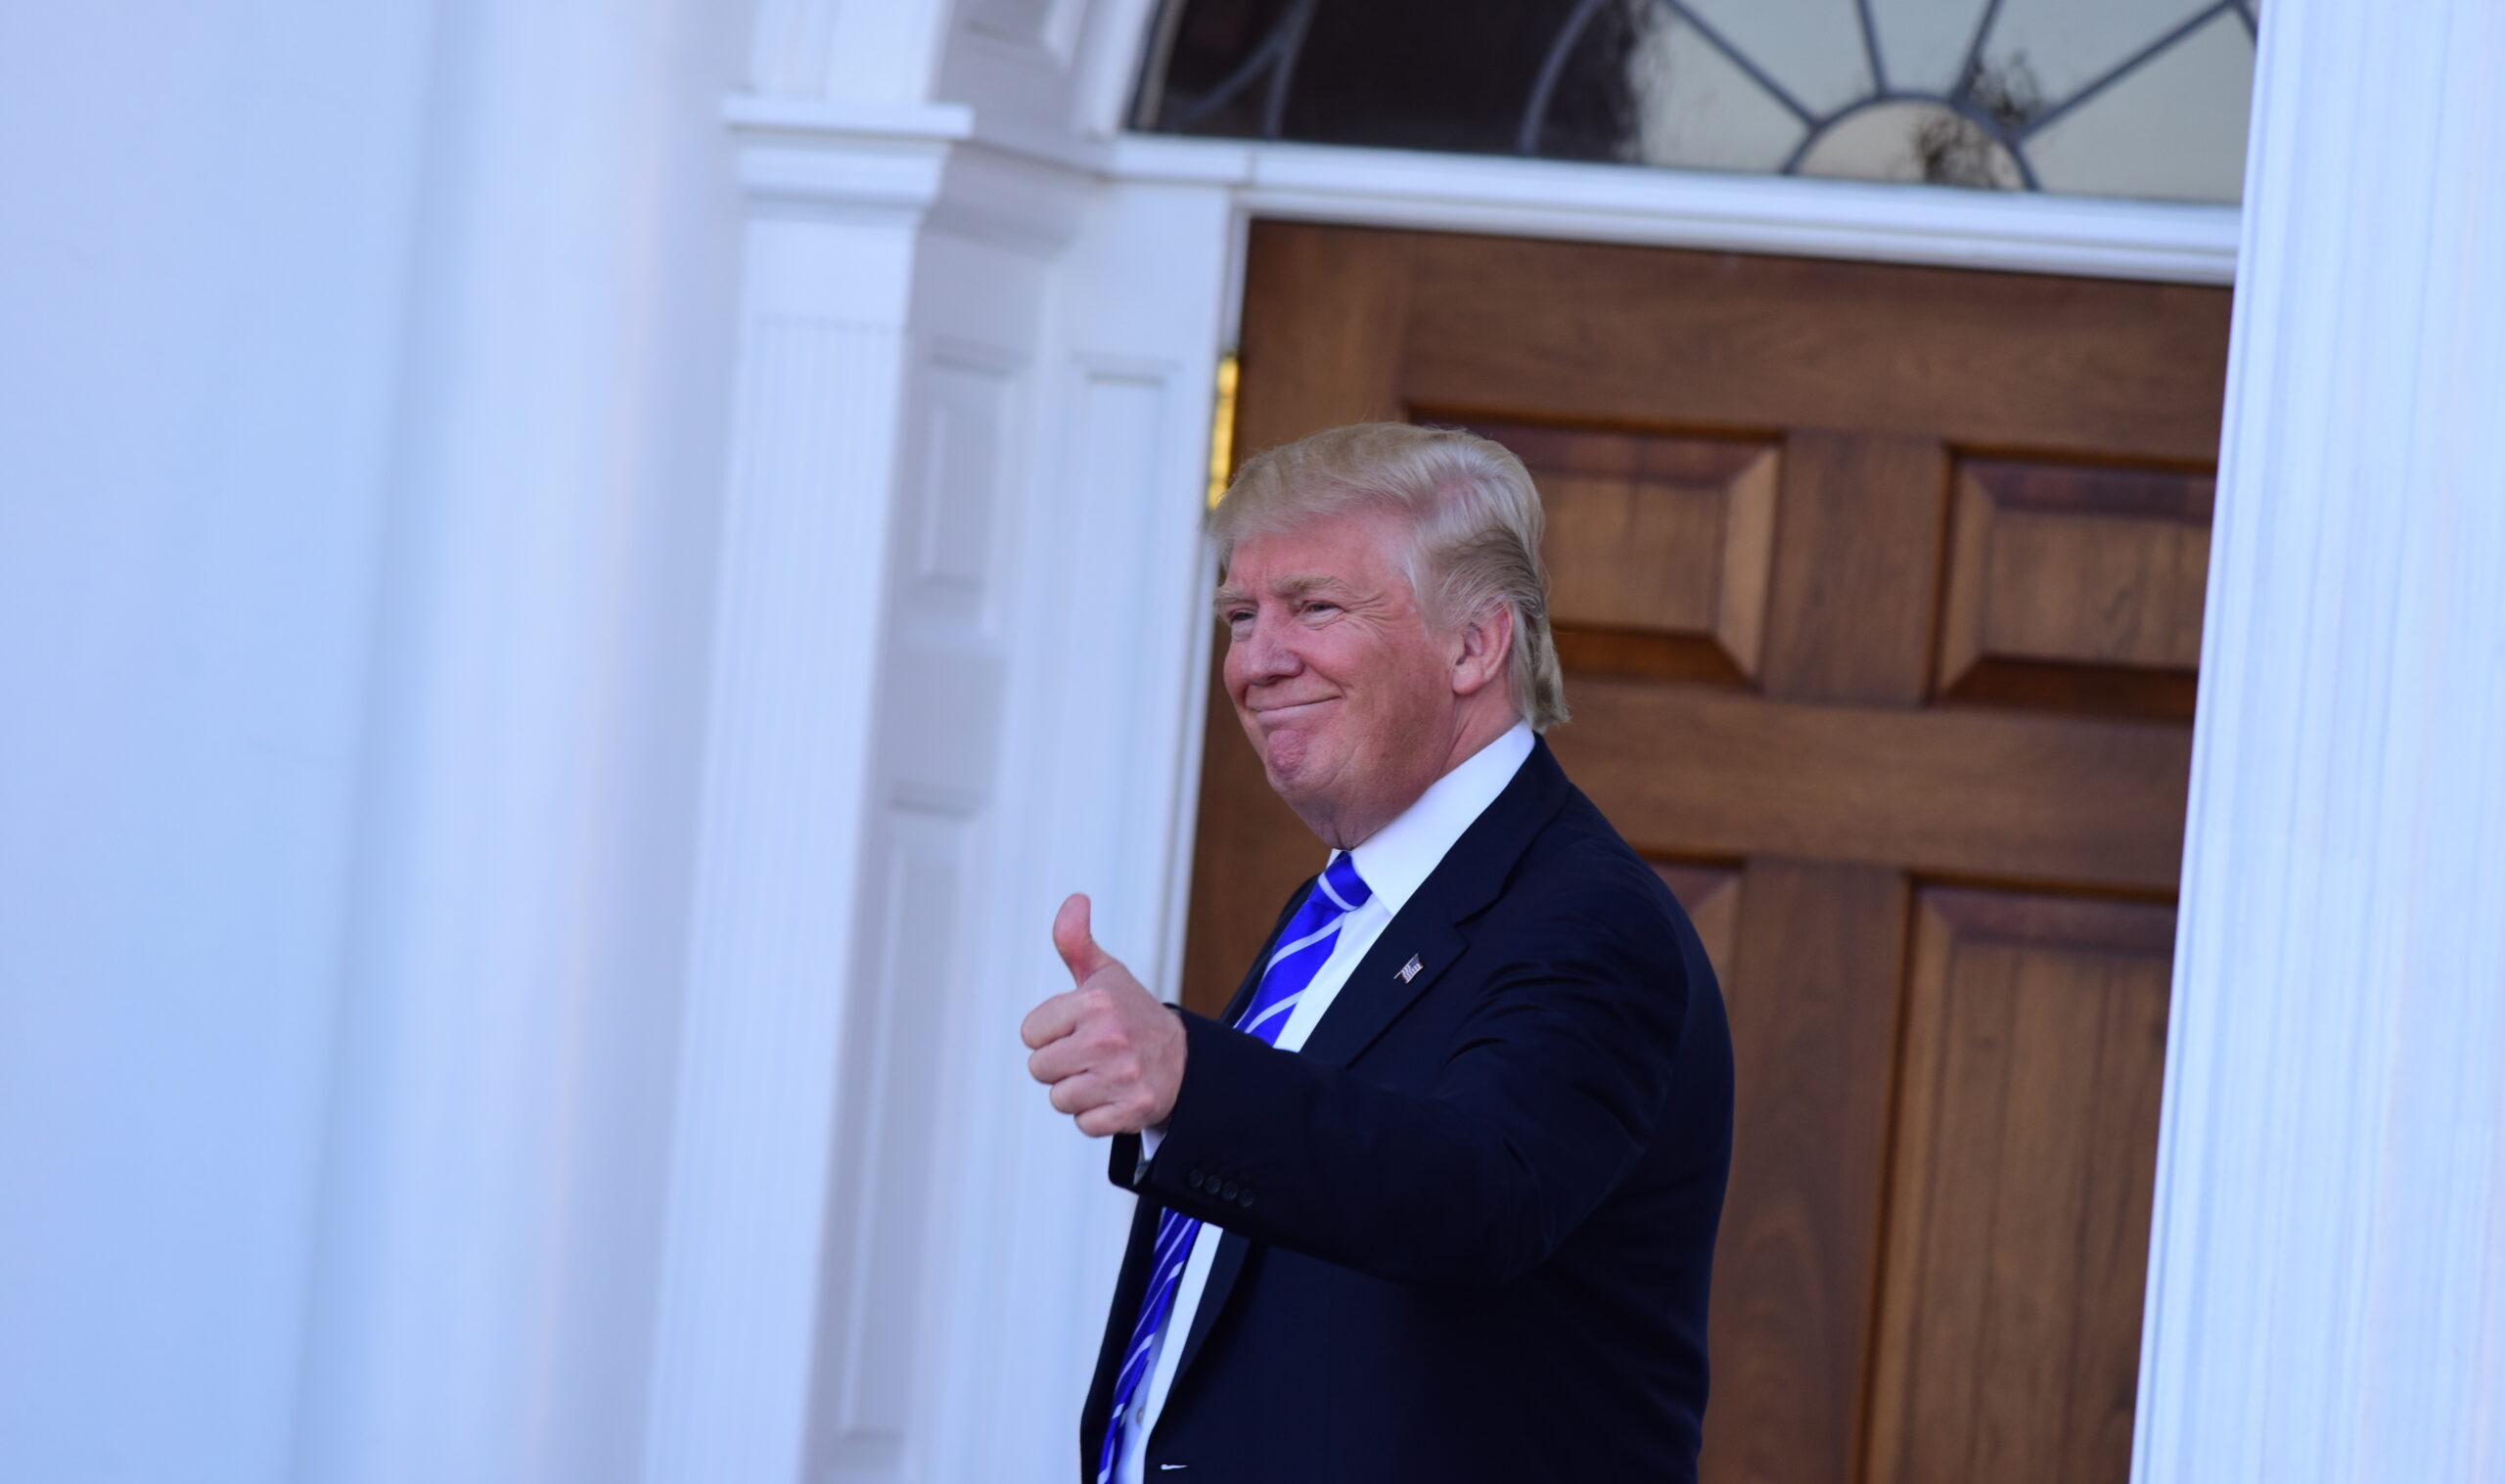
1292, 761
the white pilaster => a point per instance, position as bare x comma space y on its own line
831, 242
2327, 1282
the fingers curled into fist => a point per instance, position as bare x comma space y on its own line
1111, 1055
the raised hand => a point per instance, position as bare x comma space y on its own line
1110, 1052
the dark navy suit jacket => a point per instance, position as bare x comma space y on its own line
1468, 1228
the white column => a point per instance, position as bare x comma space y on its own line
2327, 1284
482, 1270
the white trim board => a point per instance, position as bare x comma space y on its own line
1687, 208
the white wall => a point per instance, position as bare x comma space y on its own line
203, 278
360, 442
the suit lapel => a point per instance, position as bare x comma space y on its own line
1429, 928
1378, 989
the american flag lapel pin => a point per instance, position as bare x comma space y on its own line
1409, 970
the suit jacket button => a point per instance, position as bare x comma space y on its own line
1246, 1199
1226, 1191
1198, 1180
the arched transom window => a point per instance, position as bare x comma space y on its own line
2133, 98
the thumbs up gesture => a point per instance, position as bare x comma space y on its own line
1110, 1052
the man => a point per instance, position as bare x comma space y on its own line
1435, 1197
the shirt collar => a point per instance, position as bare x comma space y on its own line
1397, 859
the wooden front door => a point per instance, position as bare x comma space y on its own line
1879, 592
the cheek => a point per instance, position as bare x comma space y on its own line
1420, 692
1391, 689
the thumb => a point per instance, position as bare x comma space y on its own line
1074, 942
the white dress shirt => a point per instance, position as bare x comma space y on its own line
1393, 862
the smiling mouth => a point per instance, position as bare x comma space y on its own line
1272, 715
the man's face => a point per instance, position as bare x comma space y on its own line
1345, 690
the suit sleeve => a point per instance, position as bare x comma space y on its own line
1548, 1096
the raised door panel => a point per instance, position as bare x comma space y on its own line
2026, 1156
2075, 587
1712, 896
1659, 548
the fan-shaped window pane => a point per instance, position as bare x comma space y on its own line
2138, 98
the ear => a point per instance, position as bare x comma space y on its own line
1485, 644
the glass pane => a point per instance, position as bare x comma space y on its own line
2172, 128
1924, 44
1812, 49
1585, 103
2111, 98
2052, 49
1421, 74
1694, 107
1425, 74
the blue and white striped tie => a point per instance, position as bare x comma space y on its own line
1304, 945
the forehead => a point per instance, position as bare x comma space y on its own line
1358, 549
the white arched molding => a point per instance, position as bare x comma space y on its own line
2326, 1283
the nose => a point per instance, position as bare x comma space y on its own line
1263, 654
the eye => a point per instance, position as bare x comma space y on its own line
1317, 605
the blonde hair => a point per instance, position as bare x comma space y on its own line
1473, 513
